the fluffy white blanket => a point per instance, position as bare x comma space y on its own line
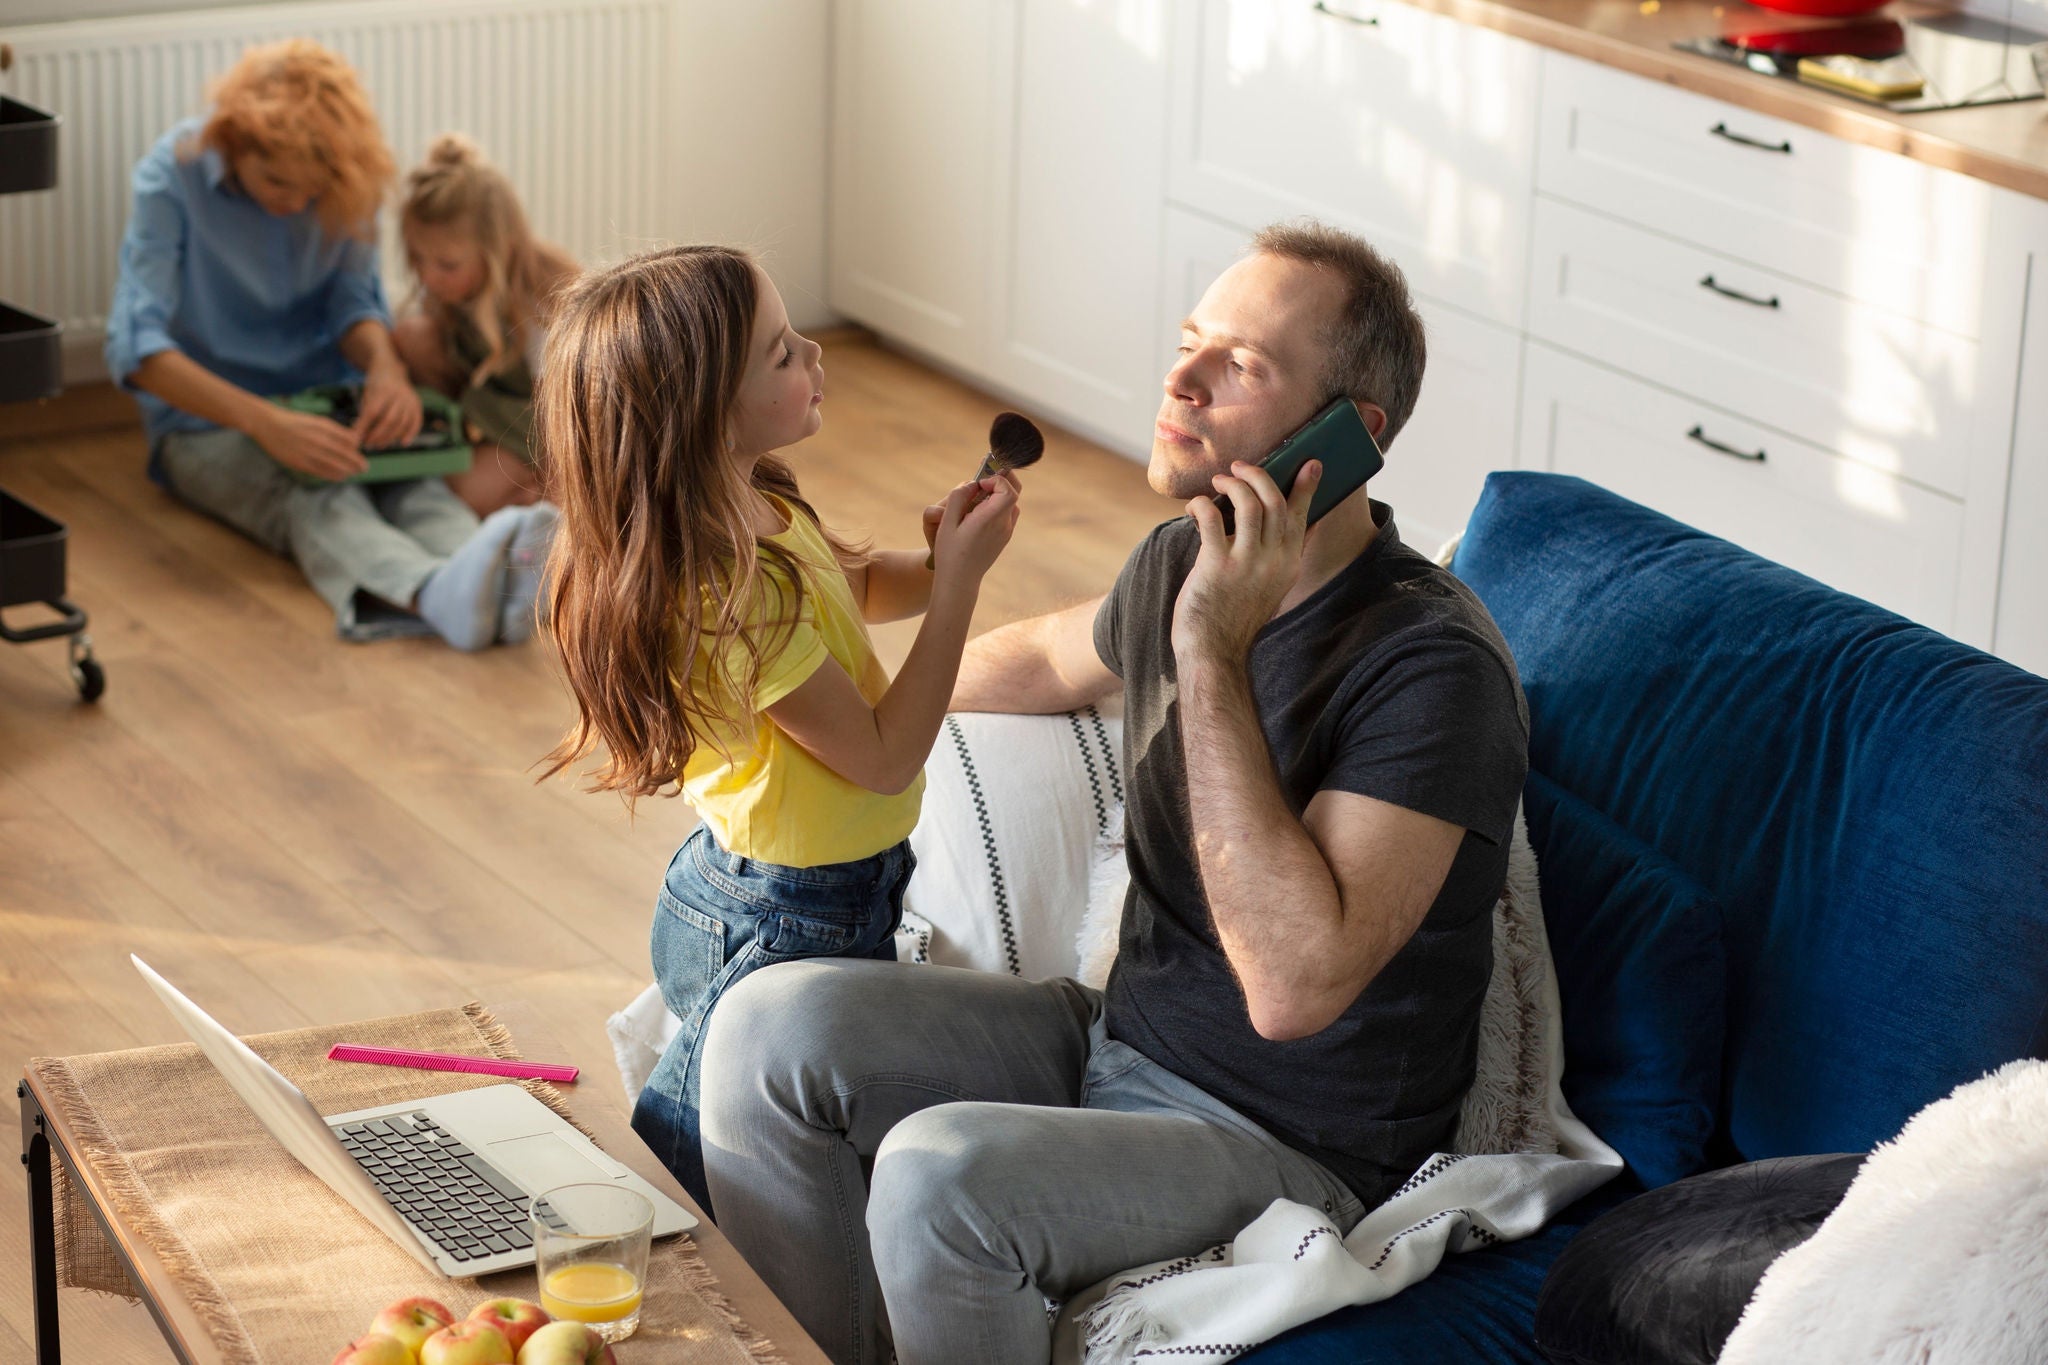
1520, 1158
1937, 1255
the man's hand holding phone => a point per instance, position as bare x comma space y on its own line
1241, 577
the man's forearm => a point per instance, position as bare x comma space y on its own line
1015, 669
1269, 889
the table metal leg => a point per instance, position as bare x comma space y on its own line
42, 1225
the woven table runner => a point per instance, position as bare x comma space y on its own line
279, 1268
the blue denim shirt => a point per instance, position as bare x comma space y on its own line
260, 300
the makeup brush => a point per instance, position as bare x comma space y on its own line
1014, 442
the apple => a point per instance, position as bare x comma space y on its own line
375, 1349
412, 1321
515, 1319
566, 1343
468, 1342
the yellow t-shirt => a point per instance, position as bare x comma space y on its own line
772, 800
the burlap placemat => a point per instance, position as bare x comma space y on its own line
278, 1267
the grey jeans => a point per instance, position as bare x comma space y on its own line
1018, 1154
383, 539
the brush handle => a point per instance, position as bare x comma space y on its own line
450, 1061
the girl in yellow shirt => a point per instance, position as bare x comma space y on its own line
713, 633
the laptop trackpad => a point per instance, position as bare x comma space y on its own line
543, 1161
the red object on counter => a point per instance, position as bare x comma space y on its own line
1873, 38
1837, 9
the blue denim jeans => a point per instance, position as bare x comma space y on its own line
720, 917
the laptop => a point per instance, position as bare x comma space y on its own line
450, 1178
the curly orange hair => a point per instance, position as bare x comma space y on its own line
296, 100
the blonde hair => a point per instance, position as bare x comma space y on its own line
457, 185
296, 100
656, 564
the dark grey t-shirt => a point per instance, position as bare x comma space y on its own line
1391, 682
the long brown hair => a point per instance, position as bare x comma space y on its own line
656, 568
302, 102
457, 185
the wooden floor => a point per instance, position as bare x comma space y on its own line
299, 830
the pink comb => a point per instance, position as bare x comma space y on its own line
450, 1061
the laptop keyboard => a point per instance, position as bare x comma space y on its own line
465, 1205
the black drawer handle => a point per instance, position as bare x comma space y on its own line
1721, 130
1698, 433
1725, 292
1363, 21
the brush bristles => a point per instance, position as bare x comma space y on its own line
1013, 442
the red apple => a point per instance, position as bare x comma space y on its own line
375, 1349
566, 1343
468, 1342
412, 1321
515, 1319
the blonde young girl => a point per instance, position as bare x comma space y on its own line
712, 631
483, 285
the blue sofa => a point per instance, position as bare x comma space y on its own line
1795, 864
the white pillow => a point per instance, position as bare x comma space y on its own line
1014, 807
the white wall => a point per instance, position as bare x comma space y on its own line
56, 11
744, 160
753, 93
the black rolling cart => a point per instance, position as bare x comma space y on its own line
32, 544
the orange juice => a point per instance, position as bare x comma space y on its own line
591, 1291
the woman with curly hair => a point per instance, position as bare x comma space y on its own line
248, 271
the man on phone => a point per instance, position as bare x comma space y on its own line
1325, 741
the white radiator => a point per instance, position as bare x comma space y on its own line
574, 98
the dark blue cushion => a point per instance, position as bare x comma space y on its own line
1864, 798
1479, 1306
1641, 978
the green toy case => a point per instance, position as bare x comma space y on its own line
440, 448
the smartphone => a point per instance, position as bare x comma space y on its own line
1336, 436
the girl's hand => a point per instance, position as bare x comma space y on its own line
936, 513
312, 445
391, 413
975, 523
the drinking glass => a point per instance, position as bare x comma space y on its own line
590, 1247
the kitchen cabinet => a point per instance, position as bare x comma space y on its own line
1847, 303
921, 135
1409, 128
1852, 526
2022, 633
1077, 248
1619, 278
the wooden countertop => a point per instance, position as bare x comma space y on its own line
2005, 144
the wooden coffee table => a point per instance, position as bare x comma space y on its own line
44, 1141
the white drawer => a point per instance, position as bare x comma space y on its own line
1846, 524
1868, 224
1413, 130
1463, 426
1869, 383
